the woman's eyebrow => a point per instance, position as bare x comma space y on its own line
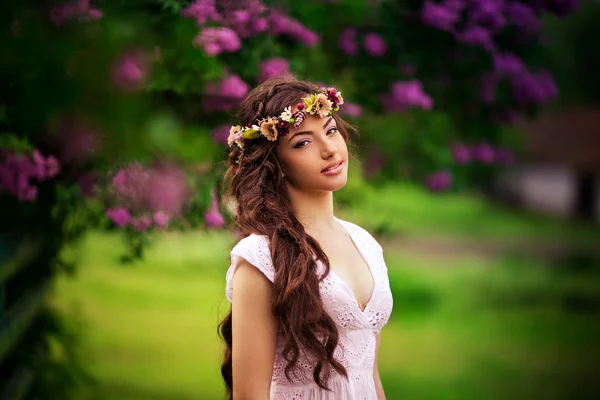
310, 132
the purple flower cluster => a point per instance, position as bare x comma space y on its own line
221, 133
161, 191
18, 172
405, 95
439, 181
281, 24
80, 10
351, 110
121, 217
213, 217
528, 88
483, 153
218, 40
273, 67
373, 43
130, 70
225, 95
347, 41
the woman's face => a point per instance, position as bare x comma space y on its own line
314, 157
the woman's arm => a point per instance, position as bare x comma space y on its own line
254, 330
376, 377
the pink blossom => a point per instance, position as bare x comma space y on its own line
217, 40
130, 70
351, 109
440, 16
347, 41
439, 181
161, 219
202, 11
484, 153
167, 190
62, 13
226, 94
130, 184
213, 217
374, 45
119, 216
273, 67
461, 153
281, 24
407, 94
221, 133
141, 224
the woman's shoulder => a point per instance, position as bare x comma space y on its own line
360, 232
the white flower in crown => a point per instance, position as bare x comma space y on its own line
286, 115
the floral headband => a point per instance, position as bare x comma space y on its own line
322, 103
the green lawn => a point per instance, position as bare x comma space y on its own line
462, 328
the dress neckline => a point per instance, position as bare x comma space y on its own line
362, 254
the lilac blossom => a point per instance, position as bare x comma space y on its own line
213, 217
202, 11
475, 36
119, 216
439, 181
226, 94
20, 172
484, 153
221, 133
533, 88
215, 41
374, 45
281, 24
130, 70
439, 16
407, 94
141, 223
161, 219
523, 17
351, 109
347, 41
461, 153
273, 67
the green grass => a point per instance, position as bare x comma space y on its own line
462, 328
410, 210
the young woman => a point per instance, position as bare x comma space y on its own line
309, 292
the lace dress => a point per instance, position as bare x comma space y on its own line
358, 328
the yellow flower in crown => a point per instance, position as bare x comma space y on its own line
268, 128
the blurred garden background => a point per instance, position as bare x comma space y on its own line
477, 168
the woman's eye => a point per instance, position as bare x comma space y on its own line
301, 143
332, 130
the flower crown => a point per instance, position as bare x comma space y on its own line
322, 103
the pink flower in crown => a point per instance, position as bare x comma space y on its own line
334, 97
268, 128
235, 136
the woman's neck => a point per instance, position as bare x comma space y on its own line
314, 210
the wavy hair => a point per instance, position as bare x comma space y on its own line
263, 208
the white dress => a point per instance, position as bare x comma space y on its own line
357, 328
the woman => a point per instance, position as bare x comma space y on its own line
309, 291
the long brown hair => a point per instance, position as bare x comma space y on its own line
263, 208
